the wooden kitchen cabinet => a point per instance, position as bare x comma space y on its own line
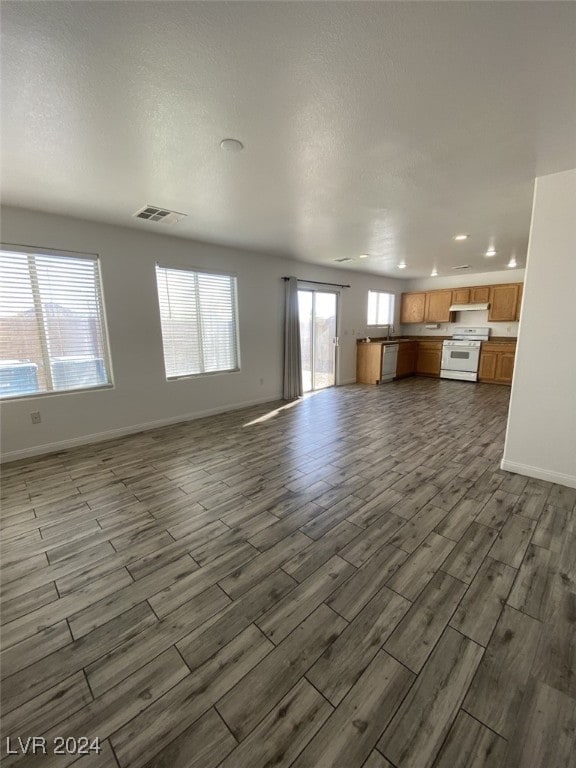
429, 358
504, 302
368, 362
407, 353
461, 296
497, 362
437, 308
480, 294
487, 366
412, 307
519, 304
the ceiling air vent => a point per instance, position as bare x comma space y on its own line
462, 266
345, 258
161, 215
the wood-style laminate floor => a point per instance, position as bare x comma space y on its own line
347, 581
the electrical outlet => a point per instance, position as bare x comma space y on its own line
35, 417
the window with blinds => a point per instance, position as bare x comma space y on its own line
199, 317
52, 329
380, 308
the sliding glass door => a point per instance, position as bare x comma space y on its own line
318, 338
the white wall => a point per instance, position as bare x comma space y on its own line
141, 395
541, 435
472, 317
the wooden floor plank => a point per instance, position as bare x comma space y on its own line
545, 732
73, 656
265, 685
46, 710
467, 556
505, 668
417, 732
201, 644
413, 533
168, 717
535, 581
291, 610
512, 541
349, 599
68, 606
470, 744
282, 734
341, 664
103, 716
203, 745
254, 570
126, 658
414, 638
304, 563
417, 571
481, 606
351, 732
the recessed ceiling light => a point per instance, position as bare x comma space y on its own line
402, 265
490, 252
461, 237
434, 273
232, 145
363, 255
512, 263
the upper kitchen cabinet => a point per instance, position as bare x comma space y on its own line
504, 302
519, 305
461, 296
480, 294
413, 307
437, 308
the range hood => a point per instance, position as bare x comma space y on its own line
468, 307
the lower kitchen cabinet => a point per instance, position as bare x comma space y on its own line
429, 358
497, 362
368, 362
407, 353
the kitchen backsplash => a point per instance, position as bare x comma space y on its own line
469, 318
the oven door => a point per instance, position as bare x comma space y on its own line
460, 359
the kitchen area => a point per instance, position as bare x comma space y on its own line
472, 352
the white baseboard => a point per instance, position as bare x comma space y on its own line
540, 474
112, 434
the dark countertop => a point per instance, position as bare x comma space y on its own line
382, 340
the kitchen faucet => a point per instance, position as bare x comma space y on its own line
390, 332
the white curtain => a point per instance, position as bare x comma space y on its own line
292, 357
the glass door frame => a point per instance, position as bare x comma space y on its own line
336, 343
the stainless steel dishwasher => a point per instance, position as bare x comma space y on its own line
389, 360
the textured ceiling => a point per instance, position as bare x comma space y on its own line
381, 127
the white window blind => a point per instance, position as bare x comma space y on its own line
198, 312
52, 330
380, 308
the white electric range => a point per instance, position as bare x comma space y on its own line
461, 353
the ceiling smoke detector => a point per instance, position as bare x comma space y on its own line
160, 215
